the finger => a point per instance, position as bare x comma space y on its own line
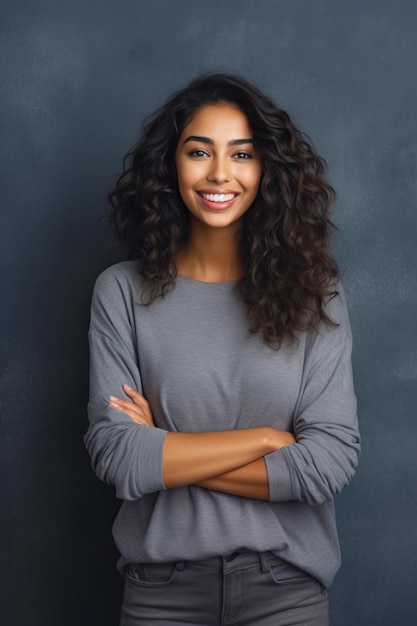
138, 401
137, 397
130, 409
124, 405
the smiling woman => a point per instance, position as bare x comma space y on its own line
221, 404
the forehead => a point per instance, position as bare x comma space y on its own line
222, 120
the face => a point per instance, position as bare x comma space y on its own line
218, 168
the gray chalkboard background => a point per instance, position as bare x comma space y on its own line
77, 78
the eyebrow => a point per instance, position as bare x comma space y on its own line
207, 140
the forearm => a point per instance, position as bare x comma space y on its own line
189, 458
250, 481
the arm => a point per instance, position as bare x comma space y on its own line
132, 456
249, 481
124, 454
229, 461
324, 459
189, 458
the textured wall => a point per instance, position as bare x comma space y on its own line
77, 78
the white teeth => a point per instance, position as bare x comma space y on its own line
218, 197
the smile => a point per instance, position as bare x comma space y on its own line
218, 197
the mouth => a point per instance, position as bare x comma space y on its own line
217, 201
218, 197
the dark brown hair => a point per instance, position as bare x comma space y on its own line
284, 238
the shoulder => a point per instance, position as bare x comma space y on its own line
117, 288
124, 277
122, 273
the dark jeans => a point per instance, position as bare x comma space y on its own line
243, 589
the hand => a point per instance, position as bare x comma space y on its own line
137, 408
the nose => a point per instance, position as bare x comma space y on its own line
220, 170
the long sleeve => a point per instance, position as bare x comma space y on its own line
325, 457
123, 453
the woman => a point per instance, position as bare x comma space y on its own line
222, 406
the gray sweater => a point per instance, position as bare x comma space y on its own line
194, 359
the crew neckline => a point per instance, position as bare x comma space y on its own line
205, 282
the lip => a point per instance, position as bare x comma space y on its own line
217, 206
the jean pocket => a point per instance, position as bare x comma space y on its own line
283, 573
151, 574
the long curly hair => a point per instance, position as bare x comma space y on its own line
289, 274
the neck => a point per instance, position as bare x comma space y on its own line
211, 254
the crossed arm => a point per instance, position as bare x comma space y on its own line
228, 461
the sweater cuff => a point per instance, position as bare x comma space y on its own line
279, 477
151, 443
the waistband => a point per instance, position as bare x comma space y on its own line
235, 560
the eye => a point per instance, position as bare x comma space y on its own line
198, 153
243, 155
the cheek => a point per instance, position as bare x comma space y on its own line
185, 187
253, 180
187, 174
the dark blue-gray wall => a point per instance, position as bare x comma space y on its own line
77, 78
